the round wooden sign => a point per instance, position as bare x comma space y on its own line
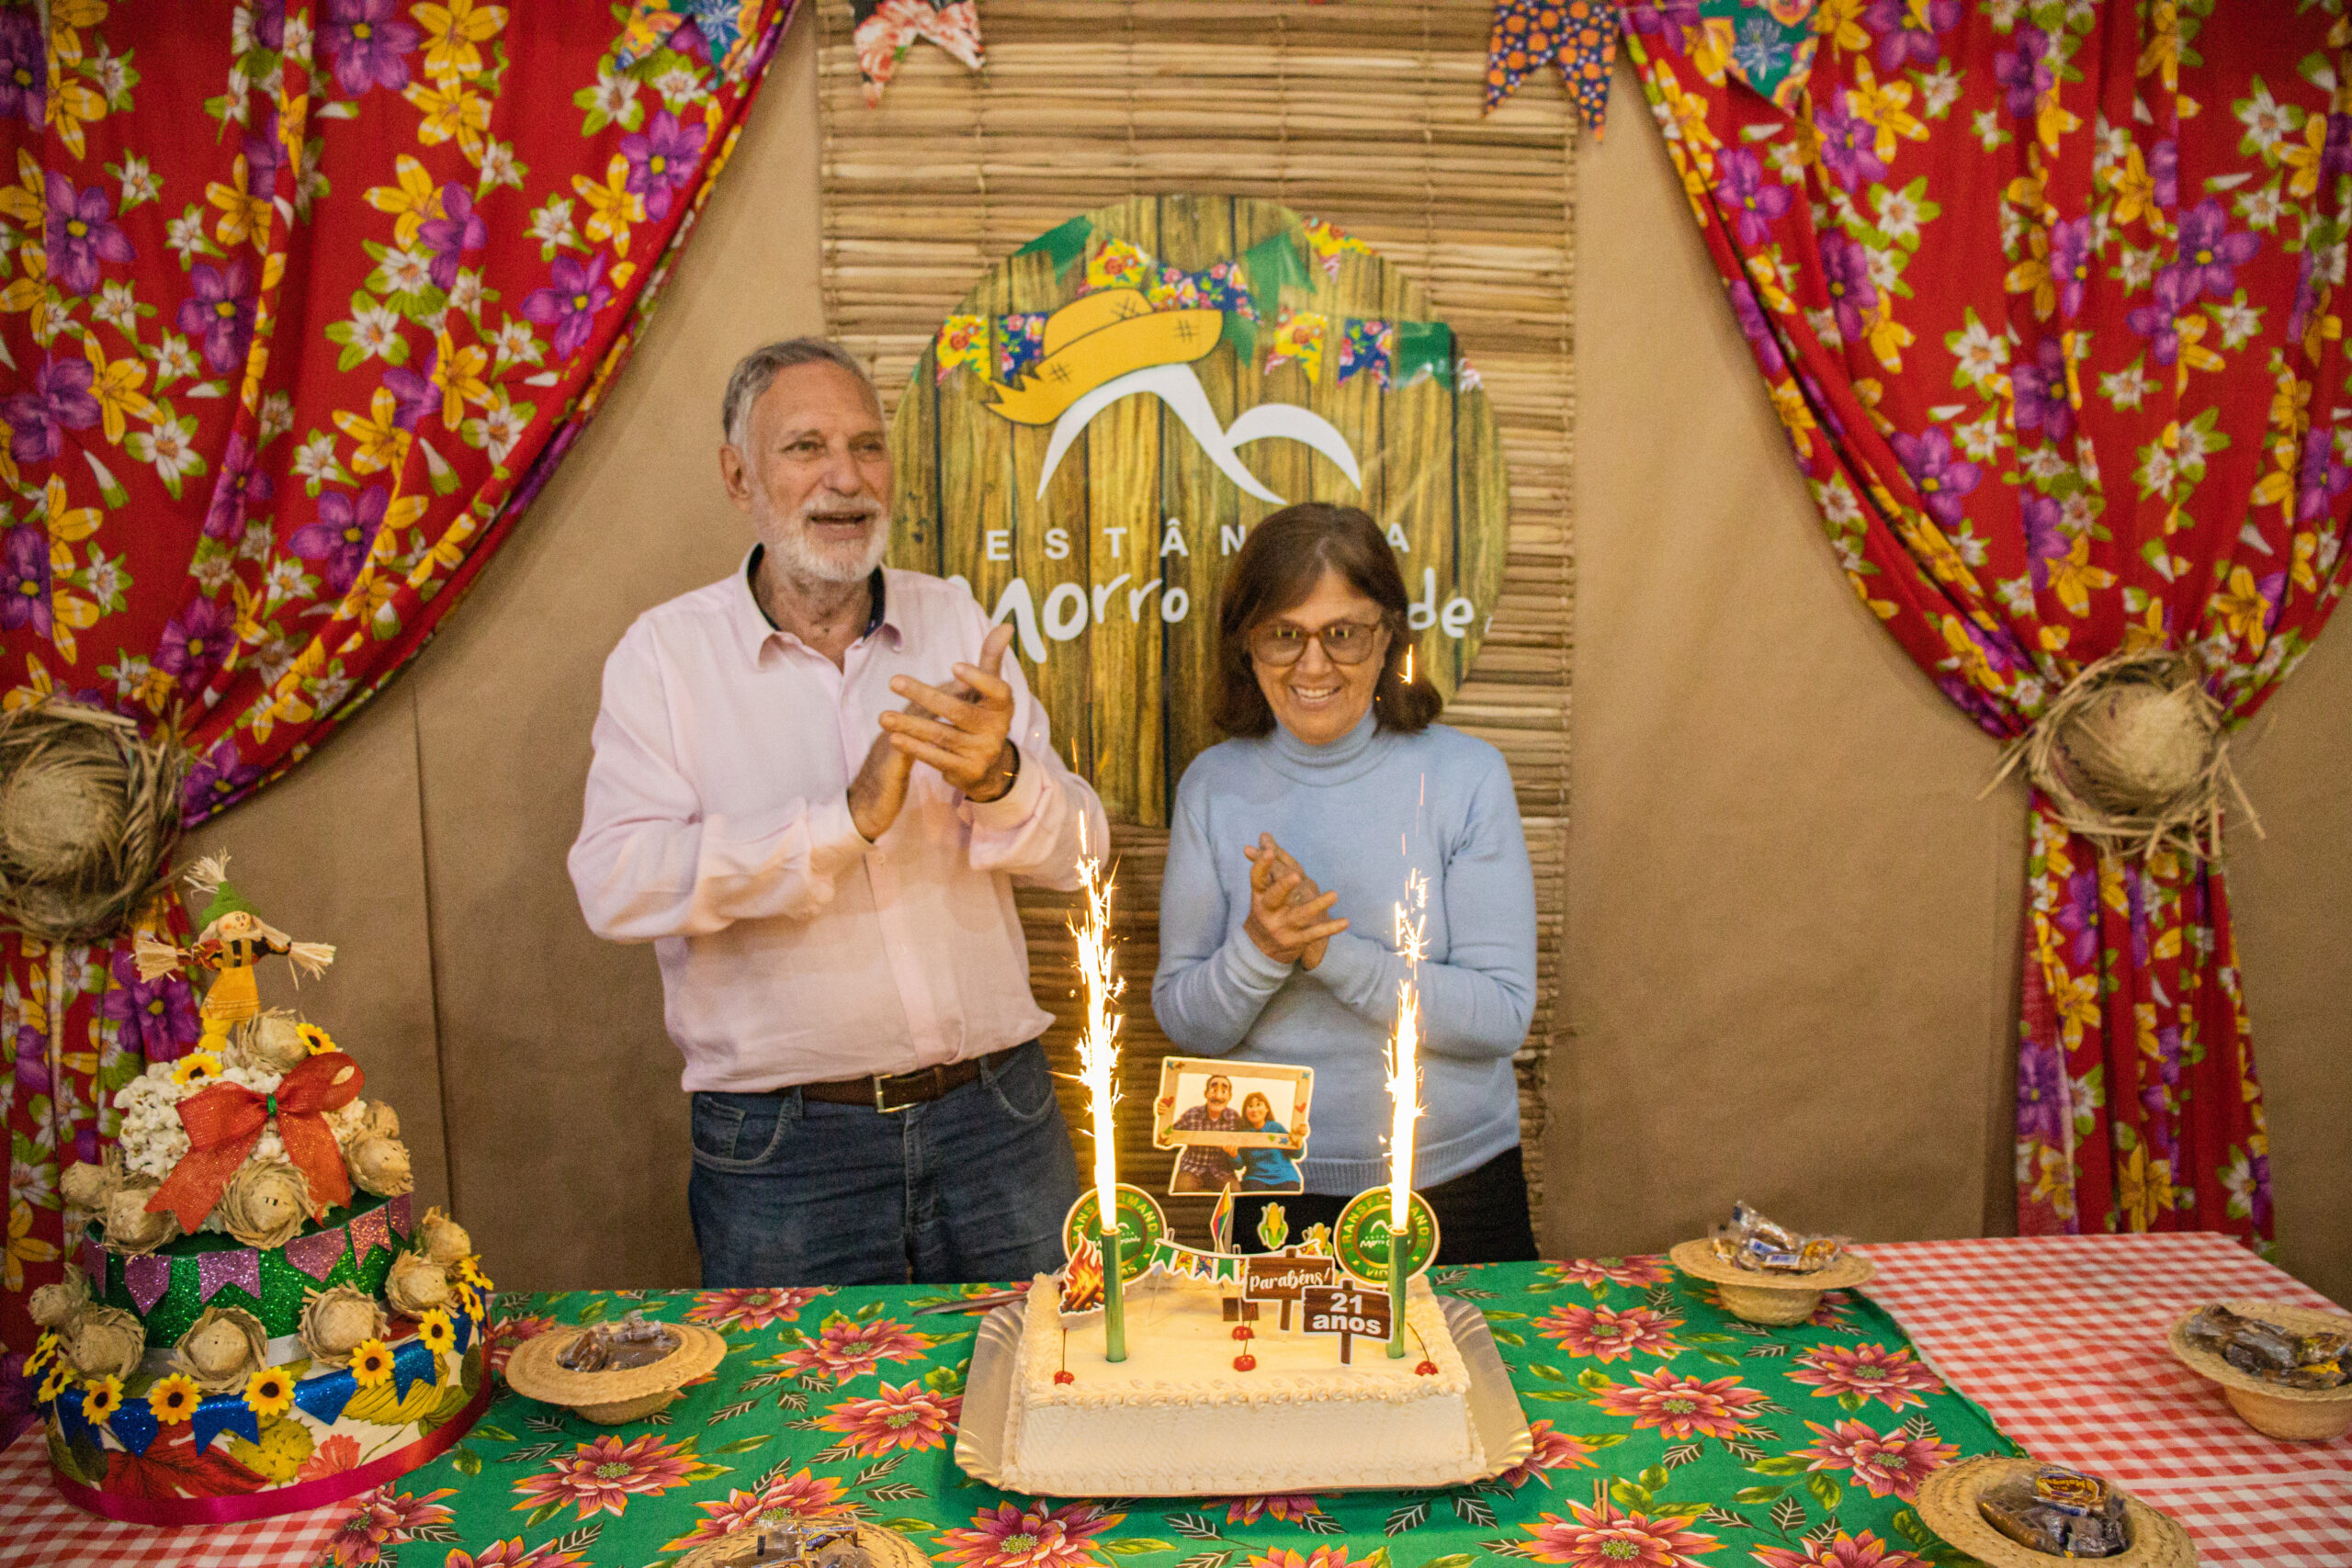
1360, 1239
1092, 433
1141, 1225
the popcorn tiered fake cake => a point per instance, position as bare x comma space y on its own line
1204, 1405
257, 1320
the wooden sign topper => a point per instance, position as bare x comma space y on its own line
1092, 435
1284, 1277
1346, 1311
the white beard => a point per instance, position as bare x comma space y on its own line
800, 558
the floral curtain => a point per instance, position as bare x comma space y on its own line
300, 303
2044, 293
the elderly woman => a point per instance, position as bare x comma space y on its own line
1292, 844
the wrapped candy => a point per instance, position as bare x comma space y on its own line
2317, 1361
811, 1544
1753, 1242
2059, 1511
616, 1347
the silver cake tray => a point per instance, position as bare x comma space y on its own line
1495, 1412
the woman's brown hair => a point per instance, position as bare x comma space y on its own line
1283, 559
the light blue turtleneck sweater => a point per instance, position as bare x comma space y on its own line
1358, 815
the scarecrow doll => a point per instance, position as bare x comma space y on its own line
235, 939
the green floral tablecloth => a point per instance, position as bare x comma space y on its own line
1667, 1434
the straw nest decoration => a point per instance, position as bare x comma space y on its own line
609, 1398
1369, 116
2297, 1415
1777, 1300
89, 811
2132, 756
887, 1547
1948, 1500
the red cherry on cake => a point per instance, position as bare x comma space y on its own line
1072, 1377
1245, 1332
1426, 1369
1245, 1362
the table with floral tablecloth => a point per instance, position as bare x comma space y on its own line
1667, 1433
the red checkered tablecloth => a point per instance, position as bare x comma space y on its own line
37, 1526
2062, 1339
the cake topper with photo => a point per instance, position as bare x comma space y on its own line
1241, 1126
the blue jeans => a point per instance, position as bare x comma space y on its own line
972, 1185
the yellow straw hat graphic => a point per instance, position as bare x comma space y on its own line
1099, 337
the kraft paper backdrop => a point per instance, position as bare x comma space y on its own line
1791, 928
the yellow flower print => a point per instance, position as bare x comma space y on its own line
1788, 401
2034, 273
452, 108
69, 612
197, 1066
1839, 23
245, 213
2071, 577
2135, 191
1886, 106
437, 1331
26, 296
1689, 113
411, 201
2161, 53
2303, 156
36, 688
101, 1398
116, 384
1711, 47
383, 443
2302, 573
2241, 608
173, 1399
458, 373
612, 208
1888, 337
451, 32
21, 203
269, 1391
371, 1364
73, 103
2194, 355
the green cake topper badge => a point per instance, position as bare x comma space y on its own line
1091, 434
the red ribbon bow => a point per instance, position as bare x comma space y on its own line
226, 1120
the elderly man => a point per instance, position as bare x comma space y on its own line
815, 786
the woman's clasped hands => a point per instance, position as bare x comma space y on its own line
1289, 918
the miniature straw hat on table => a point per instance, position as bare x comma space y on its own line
2301, 1415
1948, 1506
1775, 1299
885, 1546
609, 1398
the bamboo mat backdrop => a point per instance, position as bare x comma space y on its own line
1363, 112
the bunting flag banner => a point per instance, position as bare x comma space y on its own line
717, 31
1117, 265
1368, 345
216, 1270
215, 1417
323, 1399
1063, 244
316, 1255
369, 1232
400, 1211
1298, 336
1424, 350
414, 1360
147, 1277
1019, 343
1580, 35
135, 1426
1222, 286
1329, 242
1768, 44
963, 344
887, 29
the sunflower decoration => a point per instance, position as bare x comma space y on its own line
470, 1270
371, 1364
195, 1068
101, 1398
45, 1350
268, 1392
60, 1378
470, 1300
317, 1039
175, 1398
436, 1330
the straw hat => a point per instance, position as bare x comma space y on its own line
1100, 337
1775, 1299
610, 1398
2131, 755
887, 1547
1948, 1500
2298, 1414
89, 811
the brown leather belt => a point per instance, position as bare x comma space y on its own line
898, 1091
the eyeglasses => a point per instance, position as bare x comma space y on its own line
1344, 642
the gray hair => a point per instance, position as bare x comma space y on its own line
757, 370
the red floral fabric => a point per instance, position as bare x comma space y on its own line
2045, 295
300, 303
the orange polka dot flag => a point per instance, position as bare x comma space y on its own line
1580, 34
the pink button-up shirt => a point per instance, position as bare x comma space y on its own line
718, 828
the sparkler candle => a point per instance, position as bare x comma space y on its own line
1405, 1098
1098, 1069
